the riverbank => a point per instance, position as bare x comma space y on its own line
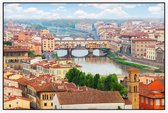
116, 58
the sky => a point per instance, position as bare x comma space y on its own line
83, 11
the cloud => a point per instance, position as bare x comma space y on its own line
15, 11
58, 11
157, 9
106, 13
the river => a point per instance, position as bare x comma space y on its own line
94, 64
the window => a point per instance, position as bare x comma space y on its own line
45, 104
163, 102
142, 99
146, 100
51, 104
9, 105
151, 102
157, 102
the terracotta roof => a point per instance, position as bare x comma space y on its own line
86, 97
51, 87
13, 87
153, 90
143, 39
15, 49
134, 34
24, 81
17, 97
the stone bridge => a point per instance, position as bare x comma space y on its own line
88, 44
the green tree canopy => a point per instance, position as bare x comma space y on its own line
108, 83
31, 54
55, 56
95, 82
8, 43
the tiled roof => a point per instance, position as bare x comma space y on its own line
13, 87
88, 97
15, 49
143, 39
17, 97
153, 90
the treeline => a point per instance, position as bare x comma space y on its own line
104, 83
32, 54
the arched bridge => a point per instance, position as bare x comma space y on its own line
88, 44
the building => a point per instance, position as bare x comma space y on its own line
91, 99
14, 56
147, 79
160, 55
32, 46
133, 87
17, 102
84, 27
48, 43
12, 91
139, 45
12, 75
24, 36
44, 32
152, 95
150, 52
56, 68
10, 82
160, 33
116, 45
42, 89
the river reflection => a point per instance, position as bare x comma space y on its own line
101, 65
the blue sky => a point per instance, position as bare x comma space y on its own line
83, 11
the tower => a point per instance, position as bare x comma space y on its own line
133, 87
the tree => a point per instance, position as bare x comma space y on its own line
43, 56
55, 56
31, 54
82, 79
95, 82
72, 75
89, 80
107, 83
8, 43
100, 84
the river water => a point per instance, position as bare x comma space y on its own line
93, 64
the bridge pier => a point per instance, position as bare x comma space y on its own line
69, 52
90, 50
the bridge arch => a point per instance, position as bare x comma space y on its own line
67, 38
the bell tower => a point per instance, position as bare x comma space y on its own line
133, 87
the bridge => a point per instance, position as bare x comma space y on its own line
88, 44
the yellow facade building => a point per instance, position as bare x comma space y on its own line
48, 43
17, 102
151, 52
